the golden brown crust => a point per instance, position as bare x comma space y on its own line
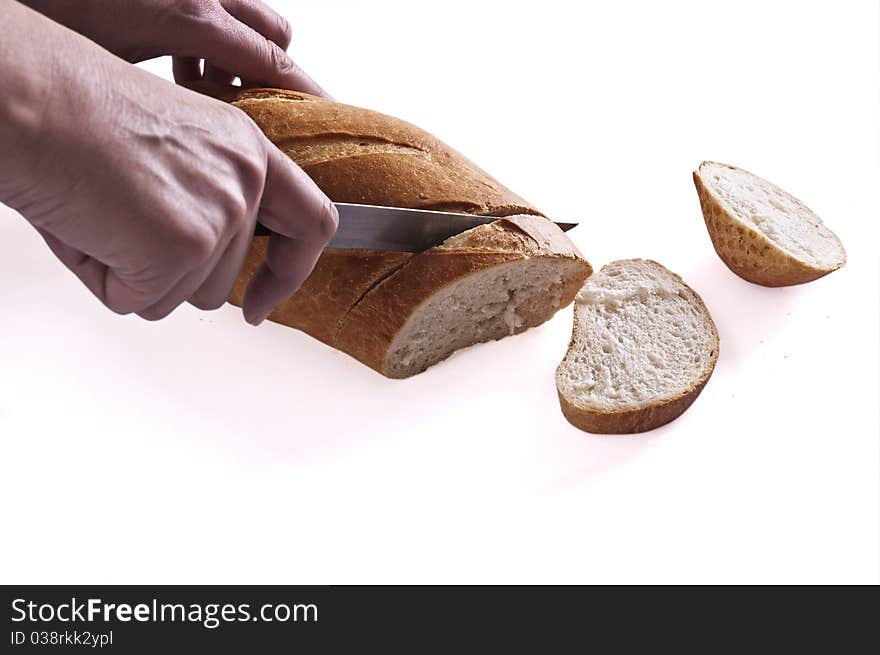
340, 279
358, 155
372, 325
355, 300
548, 238
652, 415
747, 252
629, 421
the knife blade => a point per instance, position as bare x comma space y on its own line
369, 227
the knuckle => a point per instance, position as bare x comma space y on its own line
202, 19
285, 30
192, 10
197, 242
253, 158
204, 7
118, 307
234, 119
153, 314
254, 132
134, 303
206, 303
142, 281
279, 59
236, 205
246, 128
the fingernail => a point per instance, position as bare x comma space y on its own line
254, 320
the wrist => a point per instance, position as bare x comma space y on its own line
51, 77
27, 91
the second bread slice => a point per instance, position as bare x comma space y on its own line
642, 349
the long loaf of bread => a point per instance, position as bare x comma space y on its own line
399, 313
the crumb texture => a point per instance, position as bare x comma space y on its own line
641, 338
775, 214
486, 305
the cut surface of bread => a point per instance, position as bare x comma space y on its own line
642, 349
491, 304
487, 283
401, 312
764, 234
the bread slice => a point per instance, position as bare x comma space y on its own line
764, 234
401, 312
642, 349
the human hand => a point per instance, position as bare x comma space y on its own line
147, 191
236, 38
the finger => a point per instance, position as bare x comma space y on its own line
186, 69
235, 47
262, 18
311, 87
103, 282
292, 205
303, 220
183, 290
217, 75
90, 271
215, 290
288, 263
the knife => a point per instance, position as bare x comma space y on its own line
368, 227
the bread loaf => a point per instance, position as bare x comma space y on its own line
401, 312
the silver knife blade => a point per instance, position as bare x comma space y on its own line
370, 227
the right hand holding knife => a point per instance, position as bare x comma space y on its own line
146, 191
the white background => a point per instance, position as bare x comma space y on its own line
201, 450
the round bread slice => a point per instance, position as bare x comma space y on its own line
764, 234
642, 349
